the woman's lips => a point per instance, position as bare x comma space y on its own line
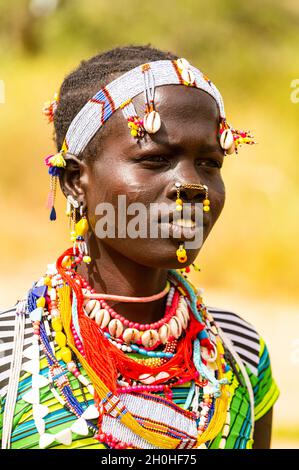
182, 229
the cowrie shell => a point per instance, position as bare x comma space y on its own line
184, 309
226, 139
231, 149
131, 335
161, 376
146, 379
164, 333
182, 63
182, 317
89, 305
152, 122
102, 317
149, 338
115, 327
175, 327
188, 76
96, 308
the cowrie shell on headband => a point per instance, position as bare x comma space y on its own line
226, 139
152, 122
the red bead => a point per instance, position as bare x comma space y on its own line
122, 445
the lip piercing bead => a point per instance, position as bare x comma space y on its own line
181, 254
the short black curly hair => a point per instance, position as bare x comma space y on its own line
91, 75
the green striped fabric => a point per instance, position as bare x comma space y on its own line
25, 435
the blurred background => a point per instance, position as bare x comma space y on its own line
250, 50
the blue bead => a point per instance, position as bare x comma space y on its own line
203, 334
168, 355
151, 353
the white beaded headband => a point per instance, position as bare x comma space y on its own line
121, 91
118, 95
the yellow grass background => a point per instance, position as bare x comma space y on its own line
250, 51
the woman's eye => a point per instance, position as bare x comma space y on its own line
209, 163
154, 159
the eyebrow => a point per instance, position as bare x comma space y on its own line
152, 146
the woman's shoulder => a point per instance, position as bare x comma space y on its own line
245, 338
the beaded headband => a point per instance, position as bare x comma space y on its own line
118, 95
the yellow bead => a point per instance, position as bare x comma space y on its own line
60, 339
66, 354
179, 208
206, 208
86, 259
73, 236
206, 202
82, 227
41, 302
179, 202
181, 252
56, 324
134, 132
47, 281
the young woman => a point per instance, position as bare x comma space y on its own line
113, 347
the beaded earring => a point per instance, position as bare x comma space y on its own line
78, 230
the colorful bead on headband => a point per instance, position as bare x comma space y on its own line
119, 94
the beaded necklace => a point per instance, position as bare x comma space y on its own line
186, 335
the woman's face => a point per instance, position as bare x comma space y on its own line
186, 149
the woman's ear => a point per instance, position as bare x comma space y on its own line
71, 178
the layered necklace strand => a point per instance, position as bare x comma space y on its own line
156, 343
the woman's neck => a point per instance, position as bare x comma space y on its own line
111, 273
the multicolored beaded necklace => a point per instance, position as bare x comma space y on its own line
130, 366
